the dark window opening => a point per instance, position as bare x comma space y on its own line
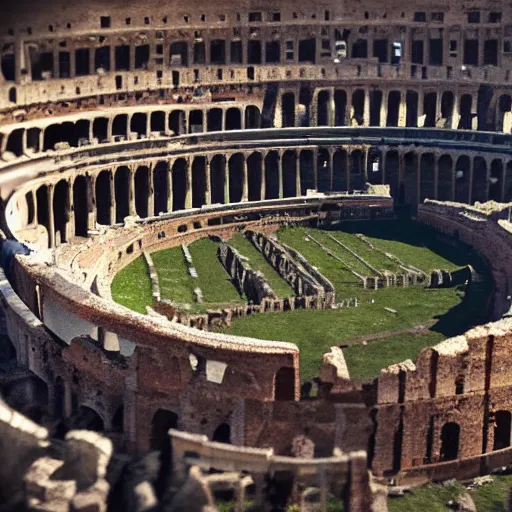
272, 51
102, 58
64, 67
236, 52
254, 52
436, 52
105, 21
474, 17
122, 58
417, 52
255, 17
141, 56
420, 17
218, 51
360, 49
491, 52
471, 52
199, 53
82, 62
307, 50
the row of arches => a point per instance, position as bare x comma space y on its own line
124, 126
110, 196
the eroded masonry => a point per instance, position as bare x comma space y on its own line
130, 128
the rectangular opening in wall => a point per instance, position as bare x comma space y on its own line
175, 78
64, 64
474, 17
102, 58
122, 58
255, 17
42, 65
142, 56
420, 16
491, 52
119, 82
82, 62
105, 21
436, 52
471, 52
199, 53
236, 52
307, 50
218, 51
272, 51
495, 17
254, 52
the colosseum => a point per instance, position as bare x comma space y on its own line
255, 256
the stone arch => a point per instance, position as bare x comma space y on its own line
42, 206
411, 113
496, 180
445, 178
61, 211
447, 104
236, 177
179, 184
162, 421
81, 205
161, 187
450, 437
120, 126
272, 175
100, 129
198, 182
33, 139
254, 175
122, 193
29, 396
233, 119
408, 189
157, 122
102, 193
429, 109
15, 142
340, 174
324, 170
214, 120
85, 417
52, 135
218, 179
13, 95
141, 191
252, 117
195, 121
358, 107
466, 115
222, 434
284, 384
462, 166
138, 124
289, 165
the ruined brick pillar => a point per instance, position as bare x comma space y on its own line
245, 184
207, 171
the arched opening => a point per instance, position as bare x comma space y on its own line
158, 122
29, 396
288, 110
138, 125
429, 109
102, 190
222, 434
307, 171
394, 98
100, 129
427, 178
59, 394
12, 95
357, 176
254, 176
33, 139
179, 53
198, 182
323, 108
61, 211
141, 191
374, 170
120, 127
324, 170
375, 106
358, 107
214, 120
289, 164
195, 121
411, 113
392, 173
179, 184
447, 101
496, 180
284, 388
252, 117
236, 177
163, 420
161, 187
479, 189
118, 420
82, 132
340, 108
52, 135
81, 205
462, 179
177, 122
502, 424
445, 180
42, 206
340, 175
85, 418
466, 116
68, 132
233, 119
450, 434
122, 193
217, 179
272, 175
408, 190
15, 142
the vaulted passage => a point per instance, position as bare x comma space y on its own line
236, 177
375, 107
289, 173
254, 163
122, 193
163, 420
340, 175
392, 173
272, 175
374, 171
102, 194
496, 180
86, 418
427, 178
141, 191
393, 108
323, 108
307, 171
466, 116
177, 122
179, 184
157, 121
445, 180
222, 433
161, 187
340, 108
324, 170
81, 205
198, 182
195, 121
357, 175
61, 211
285, 384
218, 179
462, 179
120, 127
252, 117
429, 109
450, 441
100, 127
502, 426
408, 192
233, 119
479, 188
288, 110
358, 107
214, 120
447, 102
411, 113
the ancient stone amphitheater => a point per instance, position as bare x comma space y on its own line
129, 127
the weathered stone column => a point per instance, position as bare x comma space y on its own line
454, 122
331, 167
207, 188
298, 190
131, 190
383, 156
347, 167
436, 175
384, 108
51, 219
227, 199
188, 191
471, 170
402, 110
315, 167
109, 128
245, 184
148, 124
366, 151
169, 185
439, 95
366, 112
280, 172
151, 189
112, 198
263, 174
332, 107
